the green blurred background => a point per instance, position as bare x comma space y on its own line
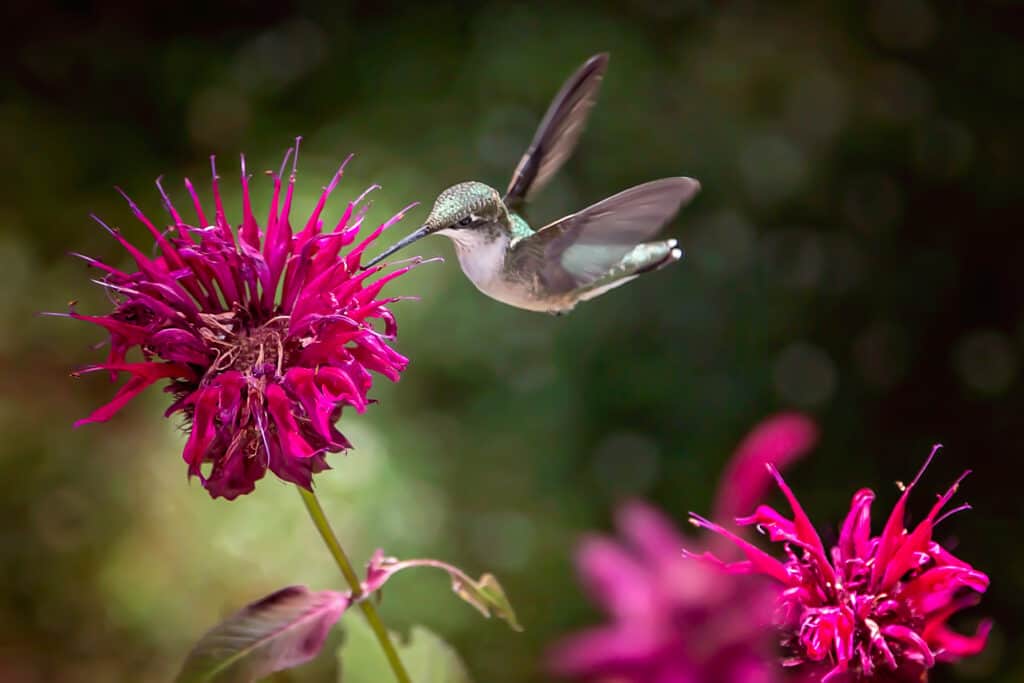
855, 253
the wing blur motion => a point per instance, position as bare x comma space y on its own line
558, 132
584, 247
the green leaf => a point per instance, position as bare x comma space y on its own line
281, 631
485, 593
426, 657
488, 596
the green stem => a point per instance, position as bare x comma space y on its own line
316, 513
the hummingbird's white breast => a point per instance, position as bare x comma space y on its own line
482, 256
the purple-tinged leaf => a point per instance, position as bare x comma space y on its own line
281, 631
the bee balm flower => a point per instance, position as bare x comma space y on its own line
265, 334
872, 608
672, 619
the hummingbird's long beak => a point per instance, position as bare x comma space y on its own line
420, 233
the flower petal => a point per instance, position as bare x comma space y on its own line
614, 578
603, 650
143, 374
280, 407
760, 561
780, 441
856, 530
649, 532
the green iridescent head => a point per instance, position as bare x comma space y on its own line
463, 206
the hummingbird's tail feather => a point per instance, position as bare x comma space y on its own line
659, 255
597, 291
644, 258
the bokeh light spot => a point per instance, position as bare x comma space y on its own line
795, 257
217, 118
804, 375
625, 464
880, 352
722, 244
986, 361
817, 106
418, 515
772, 167
504, 540
275, 58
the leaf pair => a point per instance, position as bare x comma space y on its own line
485, 593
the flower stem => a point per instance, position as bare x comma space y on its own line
316, 513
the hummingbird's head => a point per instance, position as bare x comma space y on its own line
465, 206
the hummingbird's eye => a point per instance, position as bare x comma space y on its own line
465, 221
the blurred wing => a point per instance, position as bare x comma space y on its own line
558, 131
583, 247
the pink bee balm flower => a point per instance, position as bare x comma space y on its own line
265, 334
873, 608
674, 620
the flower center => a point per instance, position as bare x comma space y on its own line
260, 349
863, 624
253, 350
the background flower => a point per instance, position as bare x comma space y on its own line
674, 620
872, 607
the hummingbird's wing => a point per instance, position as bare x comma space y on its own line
558, 132
584, 247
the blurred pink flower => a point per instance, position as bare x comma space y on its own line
674, 620
265, 334
874, 608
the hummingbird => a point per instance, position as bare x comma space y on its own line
572, 259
